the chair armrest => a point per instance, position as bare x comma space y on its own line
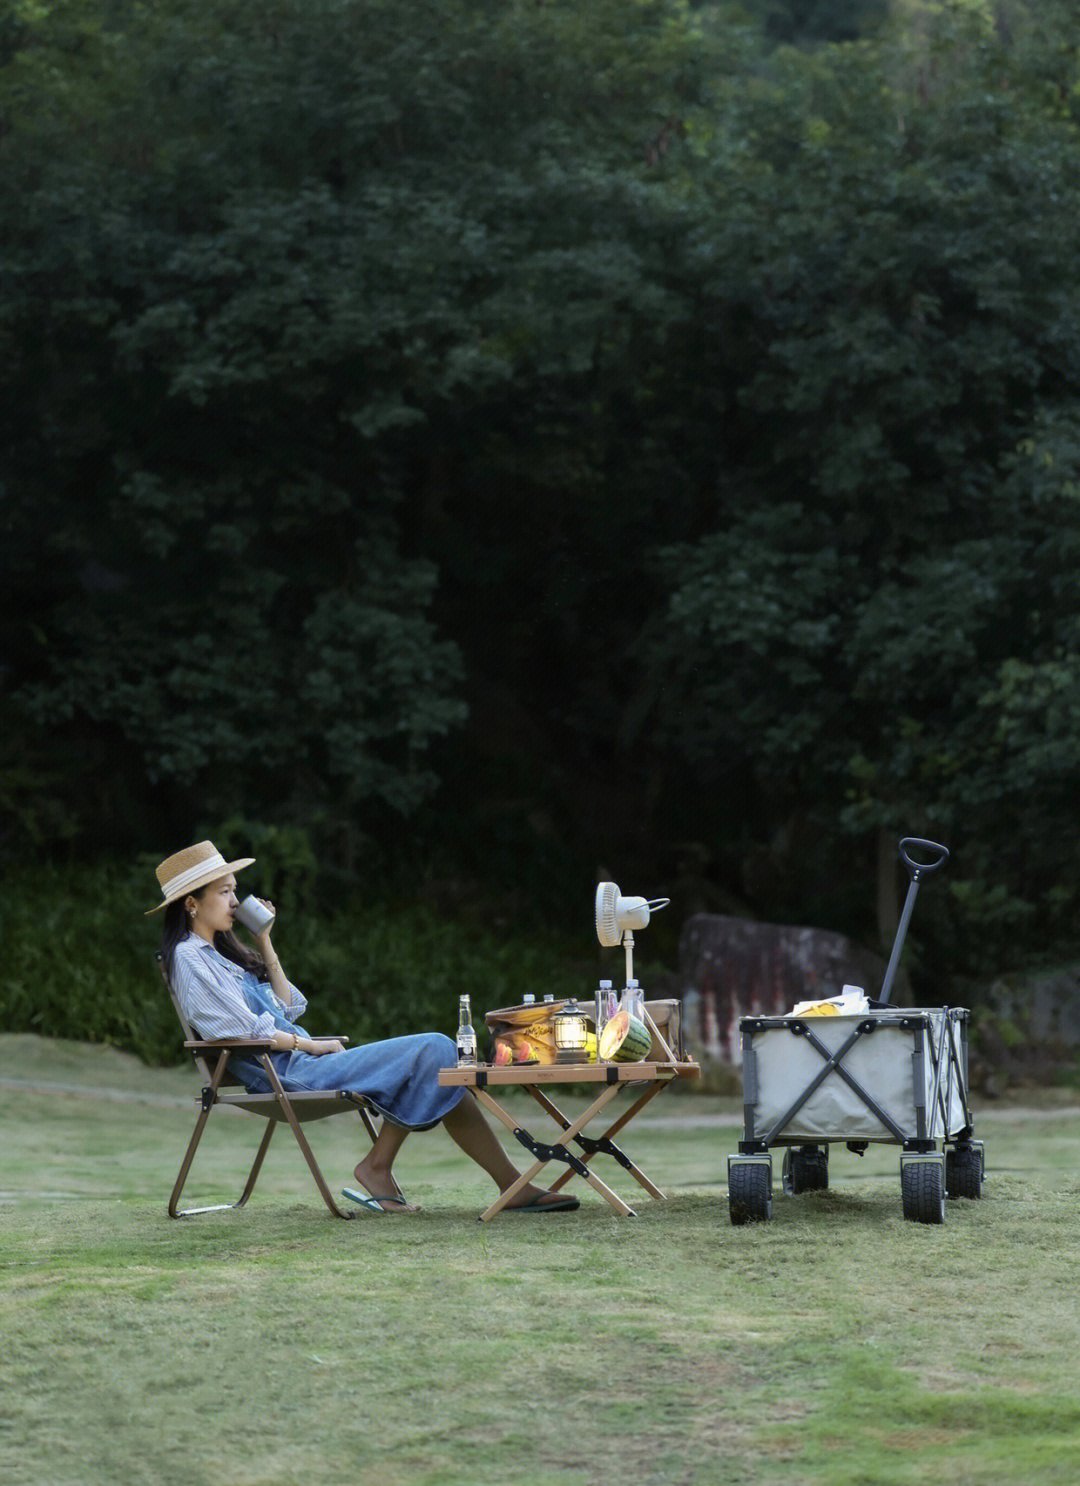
232, 1042
255, 1041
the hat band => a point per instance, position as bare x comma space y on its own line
197, 874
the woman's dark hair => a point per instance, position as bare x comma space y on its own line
176, 927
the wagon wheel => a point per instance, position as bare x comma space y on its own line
922, 1187
750, 1192
806, 1168
963, 1171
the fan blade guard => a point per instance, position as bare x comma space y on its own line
607, 926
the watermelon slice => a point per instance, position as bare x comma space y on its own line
624, 1039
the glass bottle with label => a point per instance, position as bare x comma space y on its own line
466, 1035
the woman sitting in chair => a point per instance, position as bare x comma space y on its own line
228, 990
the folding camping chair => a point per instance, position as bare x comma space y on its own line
222, 1087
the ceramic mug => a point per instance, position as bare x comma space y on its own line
254, 915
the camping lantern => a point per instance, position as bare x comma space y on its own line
569, 1027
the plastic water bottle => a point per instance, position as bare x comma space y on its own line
605, 1010
633, 1000
605, 1005
466, 1036
609, 1000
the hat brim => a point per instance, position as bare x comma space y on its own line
212, 875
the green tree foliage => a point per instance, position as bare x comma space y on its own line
658, 421
256, 320
885, 622
812, 21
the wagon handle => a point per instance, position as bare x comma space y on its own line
918, 870
922, 869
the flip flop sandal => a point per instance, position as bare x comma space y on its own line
373, 1204
538, 1205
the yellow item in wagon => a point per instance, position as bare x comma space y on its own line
852, 1002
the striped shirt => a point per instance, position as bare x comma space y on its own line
214, 994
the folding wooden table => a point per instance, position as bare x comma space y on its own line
608, 1078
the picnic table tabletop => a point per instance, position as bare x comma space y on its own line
472, 1074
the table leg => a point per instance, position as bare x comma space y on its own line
569, 1131
511, 1124
618, 1154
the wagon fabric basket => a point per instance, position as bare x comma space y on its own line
899, 1075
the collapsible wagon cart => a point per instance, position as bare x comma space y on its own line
888, 1074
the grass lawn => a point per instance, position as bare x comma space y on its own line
837, 1344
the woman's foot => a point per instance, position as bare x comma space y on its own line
379, 1182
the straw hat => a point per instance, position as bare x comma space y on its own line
193, 868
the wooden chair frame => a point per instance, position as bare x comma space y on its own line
223, 1087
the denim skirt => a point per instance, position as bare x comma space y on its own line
399, 1077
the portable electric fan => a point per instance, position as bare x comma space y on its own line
617, 917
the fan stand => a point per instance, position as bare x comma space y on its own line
628, 945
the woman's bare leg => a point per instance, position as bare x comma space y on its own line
466, 1126
375, 1172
